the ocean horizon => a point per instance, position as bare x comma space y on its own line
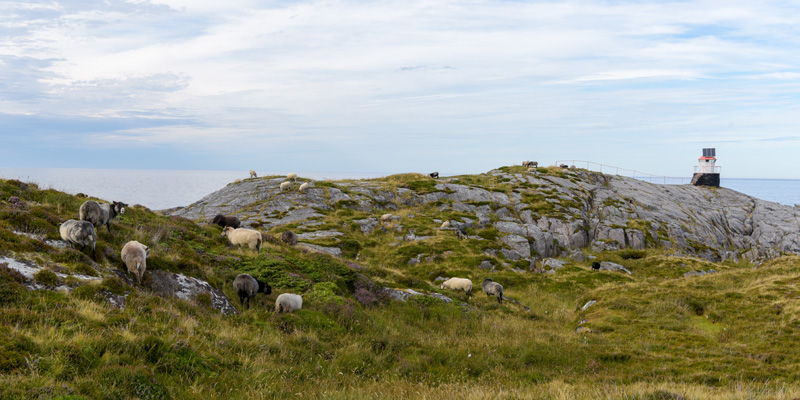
164, 189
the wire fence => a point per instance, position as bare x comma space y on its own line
631, 173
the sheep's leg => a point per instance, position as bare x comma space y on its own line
108, 225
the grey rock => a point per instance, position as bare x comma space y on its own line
576, 255
319, 235
553, 264
367, 225
486, 264
334, 251
168, 284
518, 245
610, 266
588, 304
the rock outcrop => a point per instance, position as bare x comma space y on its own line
538, 215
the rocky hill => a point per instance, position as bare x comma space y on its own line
545, 213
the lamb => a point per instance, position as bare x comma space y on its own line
288, 302
445, 225
458, 284
243, 237
595, 265
100, 214
461, 234
493, 289
292, 176
248, 287
289, 238
303, 187
224, 221
79, 233
386, 217
530, 164
253, 174
285, 186
134, 254
434, 175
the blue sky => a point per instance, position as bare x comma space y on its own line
400, 86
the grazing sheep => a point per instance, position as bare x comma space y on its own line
530, 164
458, 284
493, 289
243, 237
289, 238
434, 175
286, 186
531, 169
224, 221
563, 166
100, 214
292, 176
79, 233
303, 187
253, 174
461, 234
445, 225
248, 287
386, 217
134, 254
595, 265
288, 302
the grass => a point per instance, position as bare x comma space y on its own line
654, 334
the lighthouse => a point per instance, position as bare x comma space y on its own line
707, 173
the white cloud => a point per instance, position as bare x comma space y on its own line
663, 71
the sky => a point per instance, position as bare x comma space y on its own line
387, 86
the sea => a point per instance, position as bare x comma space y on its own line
164, 189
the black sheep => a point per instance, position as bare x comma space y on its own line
595, 265
248, 287
224, 221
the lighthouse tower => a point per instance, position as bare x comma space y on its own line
707, 173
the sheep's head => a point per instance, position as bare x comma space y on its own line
264, 287
119, 207
227, 230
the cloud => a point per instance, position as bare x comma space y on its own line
546, 75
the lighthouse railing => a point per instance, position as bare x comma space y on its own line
631, 173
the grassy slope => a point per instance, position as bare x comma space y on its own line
654, 334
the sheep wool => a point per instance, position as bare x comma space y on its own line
80, 233
223, 221
458, 284
493, 289
134, 254
386, 217
288, 302
303, 188
285, 186
246, 286
292, 176
445, 225
253, 174
243, 237
100, 214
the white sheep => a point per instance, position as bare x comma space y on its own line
253, 174
285, 186
493, 288
445, 225
134, 254
243, 237
79, 233
100, 214
303, 187
386, 217
292, 176
288, 302
458, 284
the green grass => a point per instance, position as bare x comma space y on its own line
654, 334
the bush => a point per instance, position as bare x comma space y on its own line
46, 277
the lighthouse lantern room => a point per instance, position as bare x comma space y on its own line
707, 173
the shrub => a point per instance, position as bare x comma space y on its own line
46, 277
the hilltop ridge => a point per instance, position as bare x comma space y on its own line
550, 212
